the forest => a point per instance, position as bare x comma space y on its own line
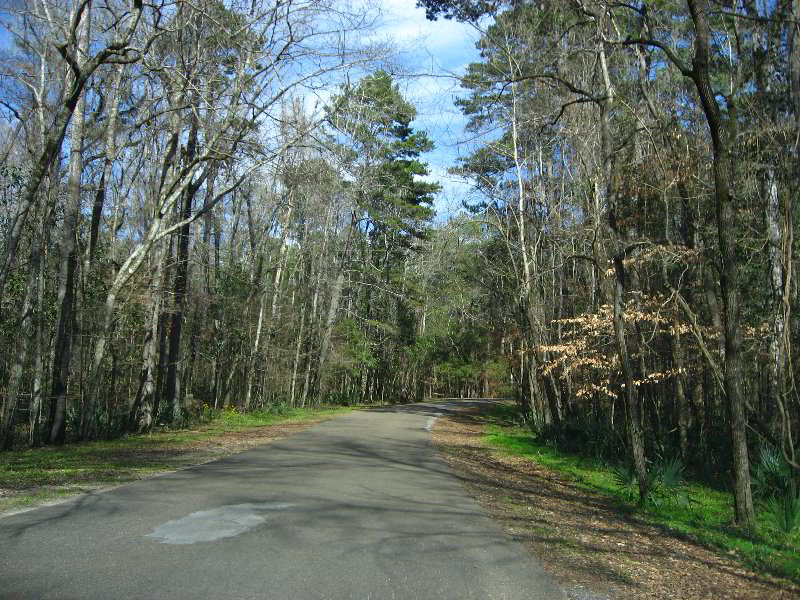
218, 204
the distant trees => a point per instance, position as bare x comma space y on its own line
392, 213
201, 234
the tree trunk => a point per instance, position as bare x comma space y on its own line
608, 193
254, 350
174, 367
296, 362
141, 414
108, 163
14, 384
65, 318
681, 407
324, 349
38, 366
276, 284
729, 275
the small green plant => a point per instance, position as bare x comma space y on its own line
785, 510
625, 477
770, 475
671, 473
668, 483
279, 408
664, 483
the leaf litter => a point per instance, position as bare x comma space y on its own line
592, 547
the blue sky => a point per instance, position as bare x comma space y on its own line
435, 53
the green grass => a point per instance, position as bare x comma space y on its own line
707, 519
38, 475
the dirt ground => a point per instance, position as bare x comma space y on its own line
592, 548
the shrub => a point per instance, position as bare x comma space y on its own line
785, 510
665, 483
770, 475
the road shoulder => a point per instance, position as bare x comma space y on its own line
584, 540
46, 476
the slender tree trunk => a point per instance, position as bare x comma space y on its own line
65, 318
108, 162
775, 252
141, 415
254, 351
324, 349
307, 379
553, 398
174, 363
38, 367
681, 407
780, 242
729, 275
276, 285
296, 363
609, 194
163, 330
14, 384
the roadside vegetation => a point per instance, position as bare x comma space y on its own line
679, 502
635, 196
38, 475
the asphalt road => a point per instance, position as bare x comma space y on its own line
360, 507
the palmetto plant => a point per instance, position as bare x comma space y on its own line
670, 482
665, 482
770, 475
772, 481
786, 510
625, 477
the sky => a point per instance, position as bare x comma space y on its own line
435, 53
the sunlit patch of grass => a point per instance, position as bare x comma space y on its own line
275, 414
41, 474
16, 502
707, 518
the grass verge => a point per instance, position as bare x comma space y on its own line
39, 475
707, 519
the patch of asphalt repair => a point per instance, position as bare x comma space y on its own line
215, 524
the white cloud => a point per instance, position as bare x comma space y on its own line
444, 43
454, 191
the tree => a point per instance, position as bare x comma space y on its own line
603, 85
392, 208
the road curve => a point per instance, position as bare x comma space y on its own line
360, 507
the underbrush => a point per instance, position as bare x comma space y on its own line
683, 507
